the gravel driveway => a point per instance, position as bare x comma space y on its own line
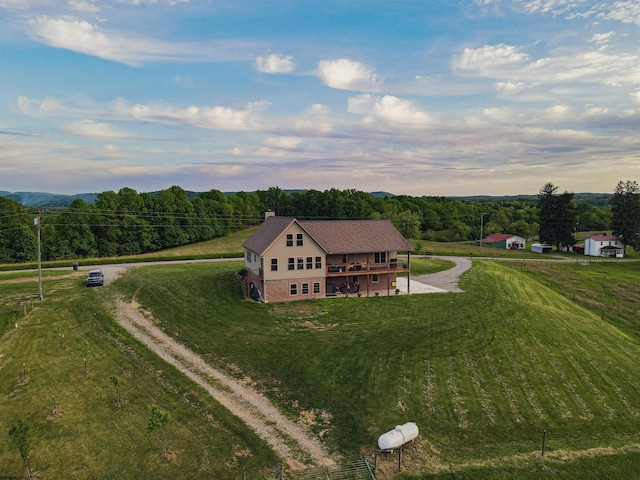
445, 281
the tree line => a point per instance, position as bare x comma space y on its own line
129, 223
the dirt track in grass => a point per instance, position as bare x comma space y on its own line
289, 440
292, 442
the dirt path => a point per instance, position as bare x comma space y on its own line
447, 279
291, 442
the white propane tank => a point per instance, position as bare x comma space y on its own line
398, 436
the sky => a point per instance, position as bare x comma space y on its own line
429, 97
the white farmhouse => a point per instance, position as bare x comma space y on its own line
603, 246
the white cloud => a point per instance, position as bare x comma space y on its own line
388, 107
90, 39
345, 74
93, 129
284, 143
601, 38
623, 11
554, 7
218, 117
275, 63
83, 6
559, 113
49, 107
489, 58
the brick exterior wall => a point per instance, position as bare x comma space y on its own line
280, 290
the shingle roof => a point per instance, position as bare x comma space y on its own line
267, 233
356, 236
603, 238
498, 237
334, 236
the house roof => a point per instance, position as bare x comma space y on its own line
267, 233
356, 236
498, 237
603, 238
333, 236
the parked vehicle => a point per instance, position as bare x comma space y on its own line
95, 278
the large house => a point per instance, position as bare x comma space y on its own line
603, 246
289, 259
504, 240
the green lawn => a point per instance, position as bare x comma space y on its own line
90, 436
481, 373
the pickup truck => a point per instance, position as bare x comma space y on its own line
95, 278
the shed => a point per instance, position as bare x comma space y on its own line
541, 248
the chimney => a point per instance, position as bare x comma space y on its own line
269, 214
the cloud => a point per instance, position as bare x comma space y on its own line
388, 107
49, 107
345, 74
622, 11
83, 6
275, 63
601, 38
489, 58
218, 117
284, 143
90, 39
93, 129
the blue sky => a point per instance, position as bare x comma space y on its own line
432, 97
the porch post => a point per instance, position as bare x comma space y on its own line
409, 272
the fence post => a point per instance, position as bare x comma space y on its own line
544, 439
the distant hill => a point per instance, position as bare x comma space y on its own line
53, 200
49, 200
595, 199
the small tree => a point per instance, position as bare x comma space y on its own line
83, 350
116, 384
19, 434
159, 419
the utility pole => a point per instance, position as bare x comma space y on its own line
37, 222
481, 227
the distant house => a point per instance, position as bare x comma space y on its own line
505, 241
541, 248
603, 246
289, 259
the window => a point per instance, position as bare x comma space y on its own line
316, 287
299, 239
248, 256
289, 239
305, 289
318, 262
293, 289
274, 264
292, 264
309, 263
374, 278
381, 257
300, 263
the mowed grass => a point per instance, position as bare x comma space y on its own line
89, 436
609, 289
483, 373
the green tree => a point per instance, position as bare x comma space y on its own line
557, 217
19, 434
407, 223
84, 349
158, 420
625, 212
115, 381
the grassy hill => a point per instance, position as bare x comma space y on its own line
483, 374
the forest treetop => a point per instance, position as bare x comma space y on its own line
128, 222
